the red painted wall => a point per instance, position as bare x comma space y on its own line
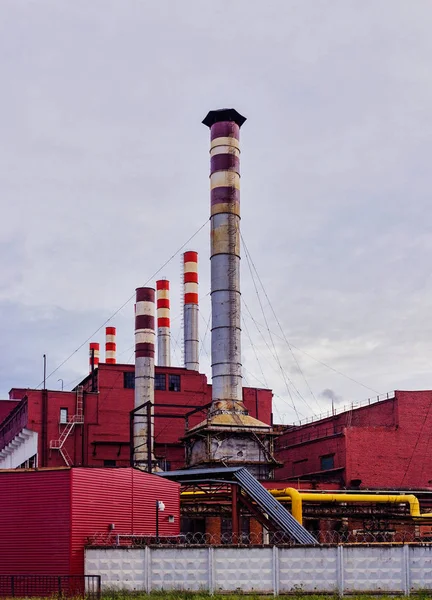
124, 497
5, 408
105, 433
46, 516
34, 522
385, 445
396, 456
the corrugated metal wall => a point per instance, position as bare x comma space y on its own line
34, 522
46, 516
123, 497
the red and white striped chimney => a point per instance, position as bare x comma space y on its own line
144, 376
190, 282
110, 345
94, 348
163, 323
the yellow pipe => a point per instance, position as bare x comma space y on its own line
297, 498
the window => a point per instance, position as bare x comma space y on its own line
63, 416
174, 383
129, 380
109, 463
327, 462
160, 381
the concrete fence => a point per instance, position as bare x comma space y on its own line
276, 570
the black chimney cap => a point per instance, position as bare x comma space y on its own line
224, 114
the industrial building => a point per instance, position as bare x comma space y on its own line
47, 516
218, 440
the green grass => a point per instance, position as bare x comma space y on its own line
180, 595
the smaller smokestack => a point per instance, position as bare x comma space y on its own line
94, 348
110, 345
191, 339
143, 435
163, 323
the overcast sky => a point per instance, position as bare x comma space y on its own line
104, 176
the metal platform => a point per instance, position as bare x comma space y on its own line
273, 509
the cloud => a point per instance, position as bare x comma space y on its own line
105, 176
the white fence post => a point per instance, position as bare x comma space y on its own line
340, 570
406, 583
211, 570
147, 569
275, 567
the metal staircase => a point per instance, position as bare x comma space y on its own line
77, 419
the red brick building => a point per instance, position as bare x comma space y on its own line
384, 445
38, 419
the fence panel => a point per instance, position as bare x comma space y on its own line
420, 567
372, 569
245, 569
179, 569
119, 568
308, 570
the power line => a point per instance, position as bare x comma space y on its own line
278, 322
124, 304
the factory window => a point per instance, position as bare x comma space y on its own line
327, 462
174, 383
129, 380
109, 463
63, 416
160, 381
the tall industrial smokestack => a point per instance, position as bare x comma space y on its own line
228, 436
190, 282
110, 345
94, 355
163, 323
225, 260
143, 433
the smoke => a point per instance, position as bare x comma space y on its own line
330, 394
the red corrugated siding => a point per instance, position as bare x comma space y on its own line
125, 497
34, 522
146, 490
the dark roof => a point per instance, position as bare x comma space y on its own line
199, 473
224, 114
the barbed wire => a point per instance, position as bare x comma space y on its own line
277, 538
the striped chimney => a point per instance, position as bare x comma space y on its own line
190, 282
163, 323
224, 127
94, 346
110, 345
144, 374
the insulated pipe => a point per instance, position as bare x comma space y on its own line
144, 374
297, 498
190, 285
94, 347
163, 323
225, 260
110, 345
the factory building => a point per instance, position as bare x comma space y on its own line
36, 429
382, 445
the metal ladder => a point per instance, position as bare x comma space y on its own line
77, 419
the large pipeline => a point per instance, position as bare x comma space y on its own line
297, 498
